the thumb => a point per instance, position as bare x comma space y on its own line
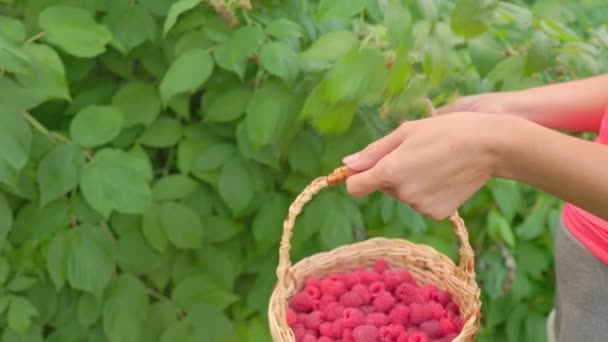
370, 155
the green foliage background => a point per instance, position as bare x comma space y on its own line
149, 150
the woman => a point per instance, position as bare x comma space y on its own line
436, 164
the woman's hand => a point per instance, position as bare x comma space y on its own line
496, 103
435, 164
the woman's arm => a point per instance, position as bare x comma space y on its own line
575, 105
436, 164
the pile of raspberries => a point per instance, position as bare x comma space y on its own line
379, 305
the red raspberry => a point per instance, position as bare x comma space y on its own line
299, 330
353, 317
301, 302
442, 297
301, 318
377, 319
312, 281
427, 292
313, 292
447, 327
380, 266
390, 332
438, 310
309, 338
327, 298
384, 302
333, 311
376, 288
453, 308
333, 287
325, 339
418, 337
432, 328
368, 277
391, 280
408, 294
420, 313
292, 317
325, 329
335, 277
316, 305
367, 309
351, 279
458, 324
351, 300
347, 335
363, 292
337, 328
365, 333
400, 314
407, 277
314, 320
450, 337
404, 337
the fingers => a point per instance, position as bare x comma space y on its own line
369, 156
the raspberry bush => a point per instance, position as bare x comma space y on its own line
149, 150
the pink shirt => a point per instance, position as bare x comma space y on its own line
588, 229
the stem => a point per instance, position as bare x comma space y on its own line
157, 294
168, 162
34, 38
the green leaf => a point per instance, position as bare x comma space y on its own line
540, 54
74, 30
35, 223
181, 225
173, 187
114, 180
186, 74
135, 256
46, 77
268, 222
303, 155
4, 273
6, 217
199, 288
329, 9
279, 60
499, 226
139, 102
15, 144
57, 259
89, 310
471, 18
534, 223
236, 185
20, 314
329, 48
125, 309
227, 106
89, 263
485, 53
153, 230
12, 30
176, 10
267, 113
131, 27
164, 132
284, 28
96, 125
12, 59
335, 230
532, 260
59, 172
220, 228
213, 157
507, 196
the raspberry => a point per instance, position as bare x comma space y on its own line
432, 328
365, 333
301, 302
367, 309
312, 281
363, 292
380, 266
335, 277
325, 329
376, 288
314, 320
453, 308
391, 280
292, 317
403, 337
299, 330
438, 310
450, 337
418, 337
351, 279
368, 277
458, 324
447, 327
427, 292
408, 294
325, 339
400, 314
312, 333
406, 277
351, 300
313, 292
384, 302
442, 297
377, 319
333, 287
390, 332
316, 305
327, 298
309, 338
333, 311
347, 335
353, 317
420, 313
337, 328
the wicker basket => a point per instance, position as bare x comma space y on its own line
424, 262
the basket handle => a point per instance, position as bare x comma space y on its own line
284, 274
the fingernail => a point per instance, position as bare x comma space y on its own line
350, 160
